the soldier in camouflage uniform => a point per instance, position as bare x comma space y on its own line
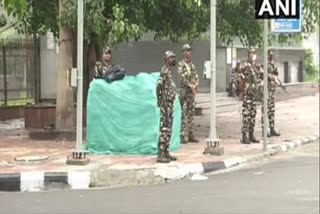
102, 66
272, 84
166, 95
234, 83
189, 82
249, 107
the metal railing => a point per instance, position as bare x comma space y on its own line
18, 73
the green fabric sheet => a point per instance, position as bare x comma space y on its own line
124, 119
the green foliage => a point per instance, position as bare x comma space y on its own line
41, 16
312, 70
3, 20
15, 7
117, 21
35, 16
237, 19
311, 16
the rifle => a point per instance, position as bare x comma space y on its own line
280, 84
278, 81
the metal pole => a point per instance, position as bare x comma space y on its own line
213, 132
213, 147
79, 76
265, 84
5, 75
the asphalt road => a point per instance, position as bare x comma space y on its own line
285, 184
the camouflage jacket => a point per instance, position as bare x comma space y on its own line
250, 74
272, 73
235, 75
101, 69
166, 87
188, 75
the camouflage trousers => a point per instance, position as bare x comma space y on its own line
166, 122
271, 109
235, 88
249, 111
233, 85
188, 104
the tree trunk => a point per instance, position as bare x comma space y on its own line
65, 104
85, 72
91, 61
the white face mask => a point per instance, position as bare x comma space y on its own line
254, 57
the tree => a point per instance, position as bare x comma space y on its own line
236, 19
65, 103
114, 22
15, 7
36, 17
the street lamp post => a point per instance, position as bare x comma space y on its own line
79, 155
80, 75
213, 141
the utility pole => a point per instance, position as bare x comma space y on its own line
80, 75
265, 83
213, 141
79, 155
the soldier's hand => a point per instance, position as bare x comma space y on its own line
193, 91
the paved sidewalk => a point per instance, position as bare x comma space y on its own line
295, 118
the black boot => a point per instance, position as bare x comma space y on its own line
245, 139
172, 158
192, 139
252, 138
162, 158
183, 140
273, 132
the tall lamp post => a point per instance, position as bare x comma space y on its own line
79, 155
213, 140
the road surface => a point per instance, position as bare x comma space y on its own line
288, 183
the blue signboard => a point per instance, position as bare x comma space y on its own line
288, 25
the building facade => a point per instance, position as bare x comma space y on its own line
147, 56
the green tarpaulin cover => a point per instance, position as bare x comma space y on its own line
124, 119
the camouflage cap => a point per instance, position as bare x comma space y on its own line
106, 49
186, 47
168, 54
270, 53
251, 50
